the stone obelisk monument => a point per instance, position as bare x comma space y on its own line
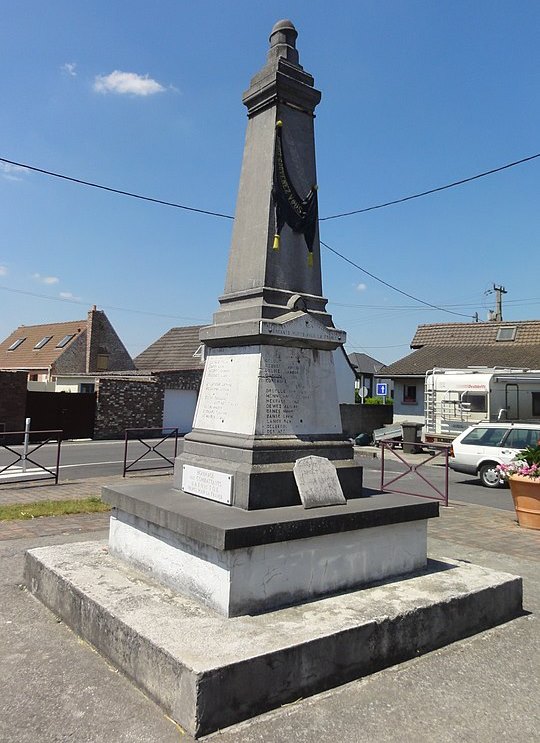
236, 591
268, 395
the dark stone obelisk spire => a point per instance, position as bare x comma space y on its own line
268, 395
261, 280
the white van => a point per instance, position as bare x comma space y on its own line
479, 449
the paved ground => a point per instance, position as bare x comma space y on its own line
55, 688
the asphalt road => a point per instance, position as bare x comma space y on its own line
84, 459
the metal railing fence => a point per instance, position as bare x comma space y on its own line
139, 435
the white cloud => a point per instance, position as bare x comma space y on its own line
45, 279
68, 295
361, 288
3, 271
69, 68
12, 172
127, 83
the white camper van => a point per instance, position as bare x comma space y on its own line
458, 398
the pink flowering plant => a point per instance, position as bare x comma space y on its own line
526, 464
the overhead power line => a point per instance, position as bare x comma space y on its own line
105, 306
229, 216
432, 190
116, 190
391, 286
335, 216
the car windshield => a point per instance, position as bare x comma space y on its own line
485, 436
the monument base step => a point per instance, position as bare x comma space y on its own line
208, 671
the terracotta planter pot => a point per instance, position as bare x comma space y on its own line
526, 496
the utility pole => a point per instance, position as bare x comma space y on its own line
499, 291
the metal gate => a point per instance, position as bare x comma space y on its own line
73, 412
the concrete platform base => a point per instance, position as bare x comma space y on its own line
208, 671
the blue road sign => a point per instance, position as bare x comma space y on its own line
382, 389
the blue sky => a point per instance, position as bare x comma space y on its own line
146, 97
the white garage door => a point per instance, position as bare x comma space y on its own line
179, 409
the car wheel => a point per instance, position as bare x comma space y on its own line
490, 475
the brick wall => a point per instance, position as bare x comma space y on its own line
101, 338
12, 400
190, 379
73, 359
125, 404
129, 403
359, 418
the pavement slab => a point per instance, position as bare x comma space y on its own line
56, 688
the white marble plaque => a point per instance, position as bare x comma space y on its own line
207, 483
317, 482
228, 397
297, 392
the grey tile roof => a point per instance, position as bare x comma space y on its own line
459, 345
473, 333
365, 364
173, 351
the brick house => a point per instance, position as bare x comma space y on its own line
177, 360
459, 346
57, 355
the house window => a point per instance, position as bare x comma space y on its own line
32, 377
16, 344
409, 393
102, 361
43, 342
87, 387
536, 403
65, 340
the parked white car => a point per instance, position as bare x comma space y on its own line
479, 449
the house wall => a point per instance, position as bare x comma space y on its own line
101, 338
125, 404
12, 400
359, 418
73, 359
408, 411
41, 386
345, 377
72, 383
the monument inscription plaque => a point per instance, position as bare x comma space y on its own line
317, 482
207, 483
230, 386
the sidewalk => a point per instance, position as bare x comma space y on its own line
30, 492
55, 688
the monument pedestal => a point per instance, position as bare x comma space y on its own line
246, 562
263, 406
208, 671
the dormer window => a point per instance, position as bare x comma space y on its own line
506, 334
42, 342
16, 344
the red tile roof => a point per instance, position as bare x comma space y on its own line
26, 356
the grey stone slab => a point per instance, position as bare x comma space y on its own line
209, 672
318, 483
226, 527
